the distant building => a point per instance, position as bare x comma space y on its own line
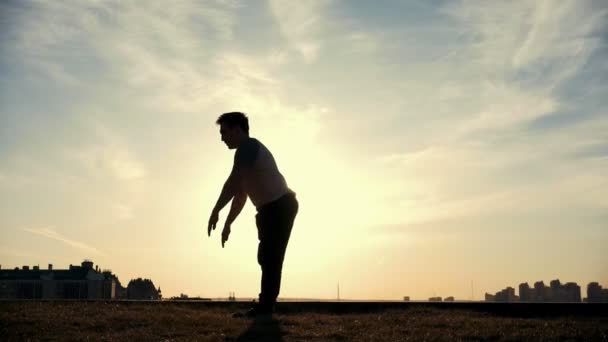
526, 294
184, 296
541, 292
571, 293
596, 294
77, 282
120, 291
435, 299
448, 299
406, 298
556, 292
506, 295
143, 289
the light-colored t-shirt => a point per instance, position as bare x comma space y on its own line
261, 179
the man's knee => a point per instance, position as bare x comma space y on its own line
269, 261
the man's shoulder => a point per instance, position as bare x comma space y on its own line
247, 152
253, 140
249, 144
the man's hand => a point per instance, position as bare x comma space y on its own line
212, 221
225, 234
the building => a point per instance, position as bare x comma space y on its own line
526, 294
143, 289
570, 292
77, 282
505, 295
596, 294
556, 292
435, 299
448, 299
541, 292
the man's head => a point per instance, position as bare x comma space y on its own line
234, 128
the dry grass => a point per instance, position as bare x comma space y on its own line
174, 322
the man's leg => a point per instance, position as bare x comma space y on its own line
275, 229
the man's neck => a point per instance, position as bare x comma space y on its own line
242, 140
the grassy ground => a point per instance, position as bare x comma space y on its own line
98, 321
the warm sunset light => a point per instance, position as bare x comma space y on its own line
436, 148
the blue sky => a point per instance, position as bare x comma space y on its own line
431, 143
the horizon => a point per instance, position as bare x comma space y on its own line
51, 268
430, 144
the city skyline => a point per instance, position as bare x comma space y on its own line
430, 143
556, 292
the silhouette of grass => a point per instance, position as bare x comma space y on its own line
173, 322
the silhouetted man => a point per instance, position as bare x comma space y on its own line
255, 174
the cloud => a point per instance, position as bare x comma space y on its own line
52, 234
524, 51
519, 173
364, 42
108, 155
301, 23
123, 212
154, 52
560, 30
505, 105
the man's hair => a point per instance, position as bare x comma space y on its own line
234, 119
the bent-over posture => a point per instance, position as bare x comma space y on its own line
255, 174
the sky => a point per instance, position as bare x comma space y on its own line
437, 148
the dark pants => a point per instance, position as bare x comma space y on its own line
274, 221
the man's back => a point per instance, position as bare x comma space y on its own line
262, 180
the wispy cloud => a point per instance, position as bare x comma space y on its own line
524, 51
109, 155
517, 173
154, 49
301, 23
52, 234
122, 211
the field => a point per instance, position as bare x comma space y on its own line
169, 321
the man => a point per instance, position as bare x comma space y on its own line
255, 174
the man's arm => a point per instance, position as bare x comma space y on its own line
244, 157
231, 187
238, 202
225, 196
